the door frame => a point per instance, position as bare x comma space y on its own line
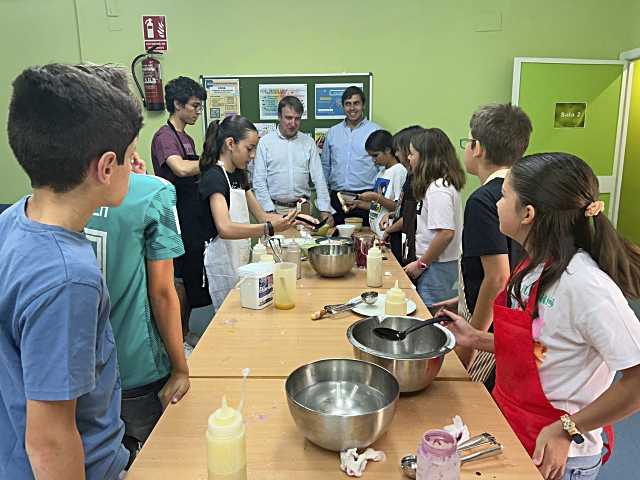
628, 57
608, 184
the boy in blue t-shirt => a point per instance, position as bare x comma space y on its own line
74, 134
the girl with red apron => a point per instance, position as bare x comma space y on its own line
585, 331
518, 390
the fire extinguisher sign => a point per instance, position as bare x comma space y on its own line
154, 31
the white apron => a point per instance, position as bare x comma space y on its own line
223, 257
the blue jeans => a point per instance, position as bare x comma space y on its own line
438, 282
583, 468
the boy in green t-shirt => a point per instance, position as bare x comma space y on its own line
135, 244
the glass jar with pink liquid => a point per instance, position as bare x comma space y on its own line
362, 242
438, 457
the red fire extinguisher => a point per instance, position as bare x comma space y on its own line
153, 94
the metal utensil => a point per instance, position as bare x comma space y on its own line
367, 297
397, 335
409, 463
415, 362
277, 251
342, 403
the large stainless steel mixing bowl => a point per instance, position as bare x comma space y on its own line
331, 260
342, 403
414, 361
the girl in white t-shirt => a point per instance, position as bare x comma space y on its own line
437, 181
388, 184
563, 326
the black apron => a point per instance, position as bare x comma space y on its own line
194, 237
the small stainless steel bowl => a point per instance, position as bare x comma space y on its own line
334, 240
331, 260
342, 403
414, 361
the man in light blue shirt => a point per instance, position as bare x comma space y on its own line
285, 161
347, 165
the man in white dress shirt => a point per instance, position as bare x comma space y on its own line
286, 160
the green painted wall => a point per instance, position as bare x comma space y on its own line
31, 32
434, 62
629, 216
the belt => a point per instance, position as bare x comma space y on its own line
285, 204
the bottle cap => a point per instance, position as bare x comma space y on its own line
225, 422
395, 294
374, 251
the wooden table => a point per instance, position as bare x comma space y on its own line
274, 342
357, 278
277, 450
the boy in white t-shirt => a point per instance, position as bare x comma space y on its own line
388, 184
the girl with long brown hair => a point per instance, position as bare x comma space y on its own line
562, 326
437, 180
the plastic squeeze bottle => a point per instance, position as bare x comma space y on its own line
258, 250
267, 258
374, 267
396, 302
226, 447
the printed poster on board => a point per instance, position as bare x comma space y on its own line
328, 98
223, 97
269, 95
319, 135
264, 128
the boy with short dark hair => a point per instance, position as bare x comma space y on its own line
74, 135
499, 136
173, 153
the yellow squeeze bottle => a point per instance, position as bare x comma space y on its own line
226, 446
395, 302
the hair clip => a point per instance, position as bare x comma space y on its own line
594, 208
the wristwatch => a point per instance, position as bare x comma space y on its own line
569, 426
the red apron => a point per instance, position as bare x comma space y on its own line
518, 391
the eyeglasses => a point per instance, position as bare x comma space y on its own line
466, 141
196, 106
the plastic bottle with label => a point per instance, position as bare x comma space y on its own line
374, 267
395, 302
